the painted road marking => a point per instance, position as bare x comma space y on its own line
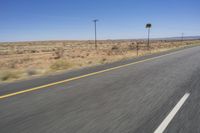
83, 76
171, 115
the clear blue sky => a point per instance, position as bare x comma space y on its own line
22, 20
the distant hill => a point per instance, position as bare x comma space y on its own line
139, 39
178, 38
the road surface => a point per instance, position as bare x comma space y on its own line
156, 93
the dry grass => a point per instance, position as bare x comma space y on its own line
61, 65
9, 75
25, 59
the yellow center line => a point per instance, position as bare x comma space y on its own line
79, 77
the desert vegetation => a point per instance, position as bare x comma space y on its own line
25, 59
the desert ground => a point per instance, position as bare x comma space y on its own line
20, 60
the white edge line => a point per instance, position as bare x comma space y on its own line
171, 115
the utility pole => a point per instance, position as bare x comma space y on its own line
148, 38
182, 37
148, 26
137, 47
95, 32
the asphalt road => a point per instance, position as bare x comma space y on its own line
161, 94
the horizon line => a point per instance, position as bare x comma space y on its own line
154, 38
